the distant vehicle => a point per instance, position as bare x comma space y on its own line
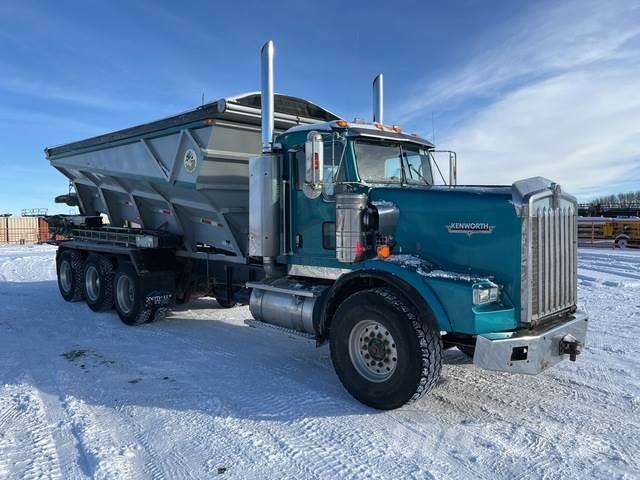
330, 229
623, 232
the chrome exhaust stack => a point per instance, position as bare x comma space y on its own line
267, 96
264, 185
378, 99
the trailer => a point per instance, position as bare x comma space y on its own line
329, 229
619, 232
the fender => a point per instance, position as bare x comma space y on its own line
372, 273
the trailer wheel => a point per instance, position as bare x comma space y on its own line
69, 270
622, 242
226, 303
98, 283
129, 301
384, 355
467, 350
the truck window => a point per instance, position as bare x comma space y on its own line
417, 165
388, 162
329, 235
379, 162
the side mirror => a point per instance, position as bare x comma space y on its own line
453, 169
314, 164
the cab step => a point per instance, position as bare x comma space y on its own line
307, 337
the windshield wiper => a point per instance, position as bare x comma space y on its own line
411, 167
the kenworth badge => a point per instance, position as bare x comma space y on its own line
470, 228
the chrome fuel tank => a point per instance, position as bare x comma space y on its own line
288, 303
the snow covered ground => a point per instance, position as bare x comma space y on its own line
201, 395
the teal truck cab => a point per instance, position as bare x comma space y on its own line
355, 238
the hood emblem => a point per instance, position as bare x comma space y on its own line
470, 228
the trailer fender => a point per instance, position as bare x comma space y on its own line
376, 273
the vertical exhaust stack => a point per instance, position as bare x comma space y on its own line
378, 99
264, 183
267, 96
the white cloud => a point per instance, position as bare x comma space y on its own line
560, 97
581, 129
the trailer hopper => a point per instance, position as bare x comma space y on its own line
187, 174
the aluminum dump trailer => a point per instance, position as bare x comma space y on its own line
187, 174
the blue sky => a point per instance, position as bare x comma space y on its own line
517, 88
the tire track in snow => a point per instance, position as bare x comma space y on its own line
104, 446
27, 448
159, 466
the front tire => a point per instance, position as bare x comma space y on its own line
69, 271
129, 300
98, 283
384, 354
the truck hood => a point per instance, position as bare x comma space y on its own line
475, 230
472, 230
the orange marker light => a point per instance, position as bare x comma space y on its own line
384, 251
342, 123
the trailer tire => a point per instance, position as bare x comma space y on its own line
226, 303
98, 283
467, 350
384, 354
129, 300
70, 275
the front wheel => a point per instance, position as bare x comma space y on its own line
383, 353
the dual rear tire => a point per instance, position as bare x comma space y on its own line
102, 287
225, 303
129, 300
70, 275
98, 283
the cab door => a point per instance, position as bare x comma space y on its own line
313, 216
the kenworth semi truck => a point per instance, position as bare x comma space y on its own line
332, 229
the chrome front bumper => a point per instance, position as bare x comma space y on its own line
531, 351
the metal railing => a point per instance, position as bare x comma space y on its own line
34, 212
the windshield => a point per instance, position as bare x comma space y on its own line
390, 162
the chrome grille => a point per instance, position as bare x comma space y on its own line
553, 259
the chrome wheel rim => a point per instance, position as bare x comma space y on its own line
66, 275
125, 294
373, 351
92, 283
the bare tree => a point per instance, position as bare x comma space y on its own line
622, 199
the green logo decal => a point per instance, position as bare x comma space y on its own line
190, 160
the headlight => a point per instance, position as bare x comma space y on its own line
485, 292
